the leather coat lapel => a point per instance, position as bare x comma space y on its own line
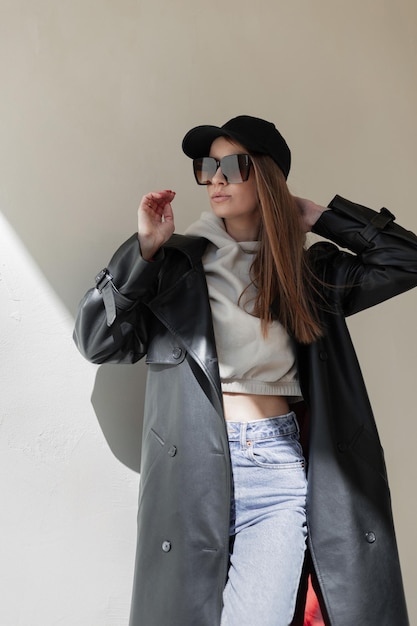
187, 299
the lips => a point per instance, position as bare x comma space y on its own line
219, 197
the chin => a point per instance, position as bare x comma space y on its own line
219, 211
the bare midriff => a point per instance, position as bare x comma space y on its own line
243, 407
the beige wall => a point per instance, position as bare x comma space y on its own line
95, 99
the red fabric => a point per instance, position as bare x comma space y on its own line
312, 616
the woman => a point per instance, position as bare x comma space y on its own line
241, 328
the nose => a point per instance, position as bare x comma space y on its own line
219, 177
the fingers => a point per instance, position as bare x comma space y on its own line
309, 212
156, 206
155, 221
158, 200
302, 203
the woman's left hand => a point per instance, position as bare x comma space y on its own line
309, 212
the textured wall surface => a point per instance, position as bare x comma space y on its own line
96, 97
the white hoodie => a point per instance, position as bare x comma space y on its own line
248, 362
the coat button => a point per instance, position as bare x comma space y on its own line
177, 353
342, 447
172, 450
323, 355
166, 546
370, 537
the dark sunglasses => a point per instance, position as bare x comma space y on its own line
234, 167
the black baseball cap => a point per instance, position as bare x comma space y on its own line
255, 134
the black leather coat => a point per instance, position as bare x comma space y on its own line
163, 312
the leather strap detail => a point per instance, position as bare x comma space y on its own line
377, 223
105, 286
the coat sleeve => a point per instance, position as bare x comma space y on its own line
384, 259
111, 325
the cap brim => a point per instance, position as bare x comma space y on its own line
197, 142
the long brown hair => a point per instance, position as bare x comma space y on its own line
280, 270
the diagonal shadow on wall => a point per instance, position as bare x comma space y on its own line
117, 400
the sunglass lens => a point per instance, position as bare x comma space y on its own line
204, 169
235, 167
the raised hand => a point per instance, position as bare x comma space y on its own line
155, 221
309, 212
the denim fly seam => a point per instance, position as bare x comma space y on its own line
266, 445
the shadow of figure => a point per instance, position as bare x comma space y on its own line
117, 399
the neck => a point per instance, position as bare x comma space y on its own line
243, 229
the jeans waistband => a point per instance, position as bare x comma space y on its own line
263, 428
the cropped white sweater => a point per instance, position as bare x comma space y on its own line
248, 362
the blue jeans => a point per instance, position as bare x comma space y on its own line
268, 522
